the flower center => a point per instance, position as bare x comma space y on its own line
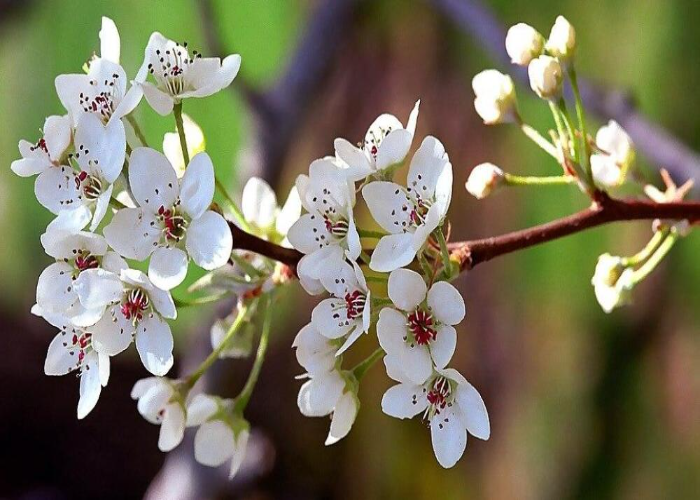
90, 185
421, 324
85, 260
136, 303
355, 303
439, 397
172, 66
83, 342
41, 145
374, 138
419, 211
338, 228
174, 224
105, 98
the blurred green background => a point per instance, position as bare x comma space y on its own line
583, 404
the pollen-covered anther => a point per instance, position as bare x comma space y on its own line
355, 304
136, 303
174, 224
85, 260
438, 397
90, 185
337, 228
421, 323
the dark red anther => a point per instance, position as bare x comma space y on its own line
421, 325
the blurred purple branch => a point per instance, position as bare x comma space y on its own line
656, 143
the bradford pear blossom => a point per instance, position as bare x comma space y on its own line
222, 435
484, 179
419, 330
612, 282
495, 97
346, 314
450, 404
410, 213
546, 77
386, 144
616, 154
71, 350
80, 256
329, 391
327, 233
161, 402
173, 149
173, 222
135, 313
523, 43
48, 153
177, 74
103, 90
260, 210
562, 39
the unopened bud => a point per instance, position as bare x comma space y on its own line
612, 282
523, 44
562, 39
495, 97
545, 77
484, 179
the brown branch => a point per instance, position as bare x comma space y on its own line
246, 241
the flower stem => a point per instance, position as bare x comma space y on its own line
643, 255
137, 129
198, 301
364, 233
569, 126
247, 267
243, 398
655, 259
539, 139
553, 180
206, 364
361, 368
364, 256
445, 253
177, 111
237, 213
580, 113
376, 279
115, 203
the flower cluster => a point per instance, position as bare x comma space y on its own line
415, 323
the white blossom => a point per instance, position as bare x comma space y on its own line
222, 435
419, 329
450, 404
410, 214
483, 179
194, 137
173, 222
523, 43
327, 233
177, 74
261, 211
160, 402
49, 152
495, 97
135, 313
610, 165
562, 39
386, 145
612, 282
546, 77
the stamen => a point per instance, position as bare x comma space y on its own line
355, 304
136, 303
420, 323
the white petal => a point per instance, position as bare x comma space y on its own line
54, 290
352, 338
97, 288
152, 179
101, 207
62, 356
449, 438
154, 401
197, 188
344, 415
428, 163
133, 233
109, 41
26, 167
71, 220
163, 302
446, 303
154, 342
290, 213
473, 409
394, 369
57, 134
214, 443
307, 273
394, 148
406, 289
443, 347
113, 333
313, 351
131, 99
239, 452
200, 409
168, 267
404, 401
352, 239
172, 430
100, 149
259, 203
330, 318
161, 102
209, 241
318, 396
144, 385
389, 205
62, 244
309, 234
392, 252
113, 263
391, 330
56, 189
103, 363
340, 279
90, 386
430, 223
358, 163
417, 362
413, 118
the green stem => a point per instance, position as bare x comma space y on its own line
378, 302
137, 129
580, 113
198, 301
569, 126
247, 267
553, 180
243, 398
364, 233
425, 266
654, 260
376, 279
177, 111
647, 251
237, 213
445, 253
362, 367
539, 139
364, 257
115, 203
560, 125
206, 364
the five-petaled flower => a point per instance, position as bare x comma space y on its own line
161, 402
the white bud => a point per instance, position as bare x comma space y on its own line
545, 77
484, 179
562, 39
610, 165
612, 282
523, 43
495, 96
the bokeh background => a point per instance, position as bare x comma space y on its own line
582, 404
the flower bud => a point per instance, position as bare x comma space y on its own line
495, 96
545, 77
484, 179
612, 282
562, 39
609, 167
523, 43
